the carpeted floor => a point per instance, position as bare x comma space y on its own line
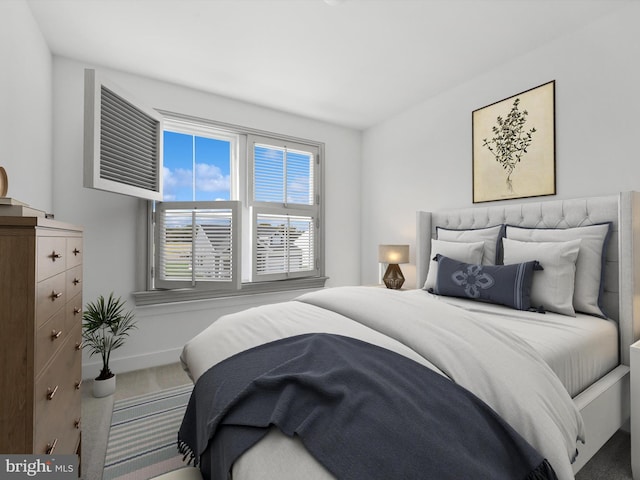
612, 462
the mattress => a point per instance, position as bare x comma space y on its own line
579, 349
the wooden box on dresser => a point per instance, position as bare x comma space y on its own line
41, 336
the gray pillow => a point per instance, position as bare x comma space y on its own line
491, 236
508, 285
553, 287
589, 283
465, 252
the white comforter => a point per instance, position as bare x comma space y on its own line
494, 364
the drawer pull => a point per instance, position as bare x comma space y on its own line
76, 251
77, 310
79, 345
77, 423
76, 281
55, 334
54, 295
78, 385
51, 447
51, 393
54, 256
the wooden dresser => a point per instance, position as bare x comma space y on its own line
40, 335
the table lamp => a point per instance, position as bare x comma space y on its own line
392, 255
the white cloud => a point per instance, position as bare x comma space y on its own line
210, 178
180, 177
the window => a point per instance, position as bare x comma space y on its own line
232, 210
197, 163
197, 227
220, 181
285, 208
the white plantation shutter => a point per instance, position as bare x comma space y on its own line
123, 141
285, 245
198, 244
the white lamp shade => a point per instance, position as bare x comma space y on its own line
393, 254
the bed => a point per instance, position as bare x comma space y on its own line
579, 360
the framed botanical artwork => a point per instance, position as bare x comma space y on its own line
514, 146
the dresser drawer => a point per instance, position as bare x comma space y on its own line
63, 430
58, 399
49, 338
74, 281
73, 312
61, 433
50, 256
74, 251
51, 296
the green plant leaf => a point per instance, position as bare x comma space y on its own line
105, 326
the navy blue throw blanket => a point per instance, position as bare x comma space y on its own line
362, 411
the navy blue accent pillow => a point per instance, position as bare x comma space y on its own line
508, 285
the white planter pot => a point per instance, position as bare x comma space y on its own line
104, 388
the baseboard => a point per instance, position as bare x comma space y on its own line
135, 362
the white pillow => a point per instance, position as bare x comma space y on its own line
552, 288
461, 251
491, 236
589, 266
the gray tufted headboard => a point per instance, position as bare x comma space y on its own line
621, 298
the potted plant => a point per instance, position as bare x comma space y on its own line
105, 327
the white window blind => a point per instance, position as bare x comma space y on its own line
123, 141
283, 172
198, 243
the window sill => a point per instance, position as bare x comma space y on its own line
155, 297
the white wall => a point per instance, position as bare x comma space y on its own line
421, 159
112, 222
25, 106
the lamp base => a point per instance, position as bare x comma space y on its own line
393, 277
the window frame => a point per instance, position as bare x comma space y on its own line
152, 295
284, 208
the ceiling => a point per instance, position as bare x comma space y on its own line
349, 62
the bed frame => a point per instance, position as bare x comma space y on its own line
605, 405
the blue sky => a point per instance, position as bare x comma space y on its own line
212, 167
